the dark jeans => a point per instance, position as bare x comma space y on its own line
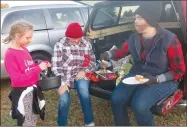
140, 98
82, 88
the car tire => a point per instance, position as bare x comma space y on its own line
40, 56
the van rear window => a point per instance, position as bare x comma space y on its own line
34, 16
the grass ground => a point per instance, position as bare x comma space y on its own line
101, 108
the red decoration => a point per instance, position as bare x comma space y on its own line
86, 60
92, 77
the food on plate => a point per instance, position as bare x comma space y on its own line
109, 76
140, 78
102, 71
93, 77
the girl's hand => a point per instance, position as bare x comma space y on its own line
43, 65
48, 63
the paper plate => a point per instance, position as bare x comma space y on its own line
133, 81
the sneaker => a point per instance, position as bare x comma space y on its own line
183, 103
91, 124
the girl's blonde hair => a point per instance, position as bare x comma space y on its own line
19, 27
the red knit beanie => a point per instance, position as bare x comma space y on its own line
74, 31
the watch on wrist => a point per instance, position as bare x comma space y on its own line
157, 79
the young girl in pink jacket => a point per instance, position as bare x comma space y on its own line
20, 66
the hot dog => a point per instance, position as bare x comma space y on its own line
139, 78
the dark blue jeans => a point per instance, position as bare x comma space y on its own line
140, 98
82, 88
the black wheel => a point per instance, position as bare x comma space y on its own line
40, 56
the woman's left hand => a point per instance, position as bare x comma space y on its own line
80, 75
152, 80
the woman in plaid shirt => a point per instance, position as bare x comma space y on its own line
72, 59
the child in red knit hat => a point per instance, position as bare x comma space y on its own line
74, 31
72, 59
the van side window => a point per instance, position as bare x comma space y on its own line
106, 17
86, 10
127, 14
62, 17
35, 16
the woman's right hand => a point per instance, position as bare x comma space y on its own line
43, 65
62, 89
